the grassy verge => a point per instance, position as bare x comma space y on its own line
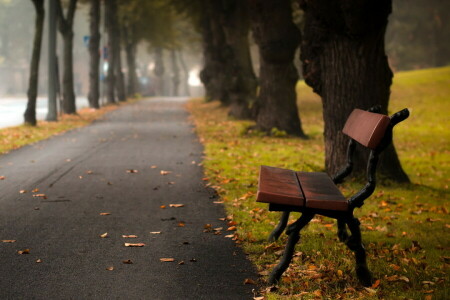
18, 136
406, 228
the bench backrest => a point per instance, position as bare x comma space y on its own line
367, 128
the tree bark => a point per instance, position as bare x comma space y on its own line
30, 112
242, 83
110, 15
175, 73
94, 52
277, 38
120, 78
66, 29
159, 71
345, 62
186, 74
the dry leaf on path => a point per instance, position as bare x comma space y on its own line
128, 262
2, 177
129, 236
26, 251
105, 214
162, 206
104, 235
181, 224
249, 281
89, 172
134, 244
110, 268
22, 191
167, 259
35, 190
132, 171
155, 232
162, 172
176, 205
8, 241
38, 261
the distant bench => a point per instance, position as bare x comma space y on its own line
314, 193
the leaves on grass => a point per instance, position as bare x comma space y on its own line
134, 244
167, 259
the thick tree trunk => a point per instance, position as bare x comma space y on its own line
94, 52
277, 38
66, 29
175, 73
345, 62
30, 112
242, 83
216, 53
110, 15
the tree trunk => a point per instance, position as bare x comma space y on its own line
216, 52
159, 72
277, 38
186, 74
30, 112
66, 29
175, 73
94, 52
345, 62
242, 87
130, 50
110, 14
120, 78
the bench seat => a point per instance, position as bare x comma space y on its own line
283, 187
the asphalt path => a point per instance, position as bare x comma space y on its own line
107, 178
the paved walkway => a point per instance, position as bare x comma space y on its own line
91, 171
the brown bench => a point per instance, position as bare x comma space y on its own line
314, 193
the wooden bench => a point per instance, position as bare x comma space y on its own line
314, 193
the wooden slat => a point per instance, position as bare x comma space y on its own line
279, 186
366, 128
320, 191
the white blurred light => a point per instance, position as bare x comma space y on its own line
193, 79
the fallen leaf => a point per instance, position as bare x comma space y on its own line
162, 172
176, 205
167, 259
130, 236
110, 268
8, 241
26, 251
105, 214
162, 206
132, 171
134, 244
229, 236
371, 291
43, 196
181, 224
376, 284
35, 191
218, 202
404, 278
128, 262
155, 232
109, 183
104, 235
89, 172
231, 228
38, 261
249, 281
340, 273
153, 167
22, 191
181, 263
317, 293
171, 183
2, 177
193, 260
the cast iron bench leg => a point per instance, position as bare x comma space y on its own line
294, 236
355, 244
342, 230
280, 227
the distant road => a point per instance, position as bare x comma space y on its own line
12, 109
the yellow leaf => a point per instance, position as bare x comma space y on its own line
176, 205
134, 244
155, 232
104, 235
167, 259
340, 273
181, 224
130, 236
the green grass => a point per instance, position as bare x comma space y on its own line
406, 227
